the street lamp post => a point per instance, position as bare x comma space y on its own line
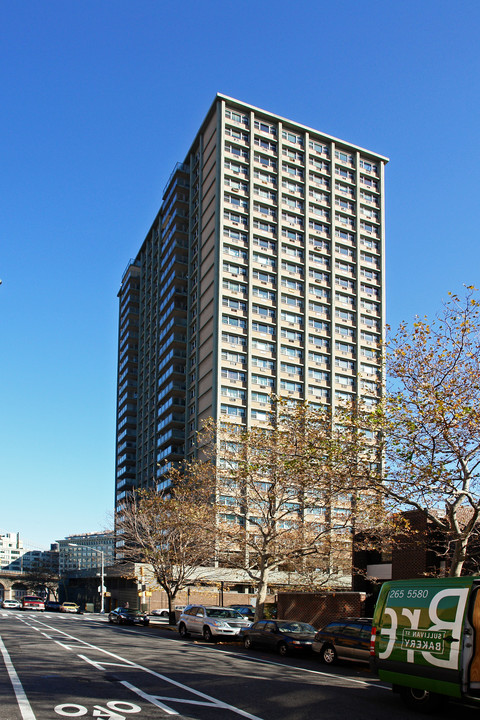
102, 572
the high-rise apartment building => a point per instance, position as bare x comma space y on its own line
262, 273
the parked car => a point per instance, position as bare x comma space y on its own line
126, 616
347, 639
211, 622
11, 604
160, 612
247, 611
52, 605
33, 602
69, 607
284, 636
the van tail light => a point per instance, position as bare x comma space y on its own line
372, 641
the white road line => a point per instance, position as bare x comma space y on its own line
149, 698
22, 700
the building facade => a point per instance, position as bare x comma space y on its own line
14, 557
84, 551
262, 273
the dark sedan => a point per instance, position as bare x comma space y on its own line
125, 616
284, 636
346, 639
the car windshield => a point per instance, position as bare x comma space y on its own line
131, 612
223, 613
295, 627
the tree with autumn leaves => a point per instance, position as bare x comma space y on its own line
429, 424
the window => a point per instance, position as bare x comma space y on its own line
319, 227
318, 358
234, 286
292, 284
233, 392
235, 252
319, 259
234, 357
264, 243
263, 345
232, 410
265, 127
263, 328
344, 380
291, 352
345, 315
234, 304
368, 166
292, 335
319, 325
265, 226
260, 397
369, 182
368, 227
319, 164
263, 380
233, 320
265, 160
291, 300
292, 234
236, 167
234, 339
235, 217
292, 267
264, 294
292, 317
264, 276
319, 275
236, 133
267, 194
369, 337
292, 186
345, 364
235, 235
264, 209
319, 375
291, 369
233, 374
237, 117
293, 202
234, 269
292, 137
318, 341
292, 251
263, 363
265, 177
264, 259
291, 386
345, 331
265, 143
237, 150
344, 157
264, 311
319, 180
259, 415
344, 283
318, 291
292, 170
318, 147
344, 347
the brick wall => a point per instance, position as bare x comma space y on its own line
320, 608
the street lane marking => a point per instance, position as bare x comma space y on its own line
149, 698
22, 700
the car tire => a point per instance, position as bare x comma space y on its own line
282, 649
182, 629
207, 634
146, 622
421, 700
164, 614
247, 642
110, 620
328, 655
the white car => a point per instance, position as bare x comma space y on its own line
11, 604
211, 621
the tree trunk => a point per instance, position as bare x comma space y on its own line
459, 557
261, 593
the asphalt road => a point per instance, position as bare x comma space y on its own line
66, 666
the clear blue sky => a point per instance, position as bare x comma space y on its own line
99, 99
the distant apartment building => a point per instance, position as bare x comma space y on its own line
84, 551
262, 273
14, 557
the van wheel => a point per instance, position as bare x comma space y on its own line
422, 700
328, 655
183, 631
247, 642
282, 649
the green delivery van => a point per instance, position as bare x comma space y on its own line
426, 639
